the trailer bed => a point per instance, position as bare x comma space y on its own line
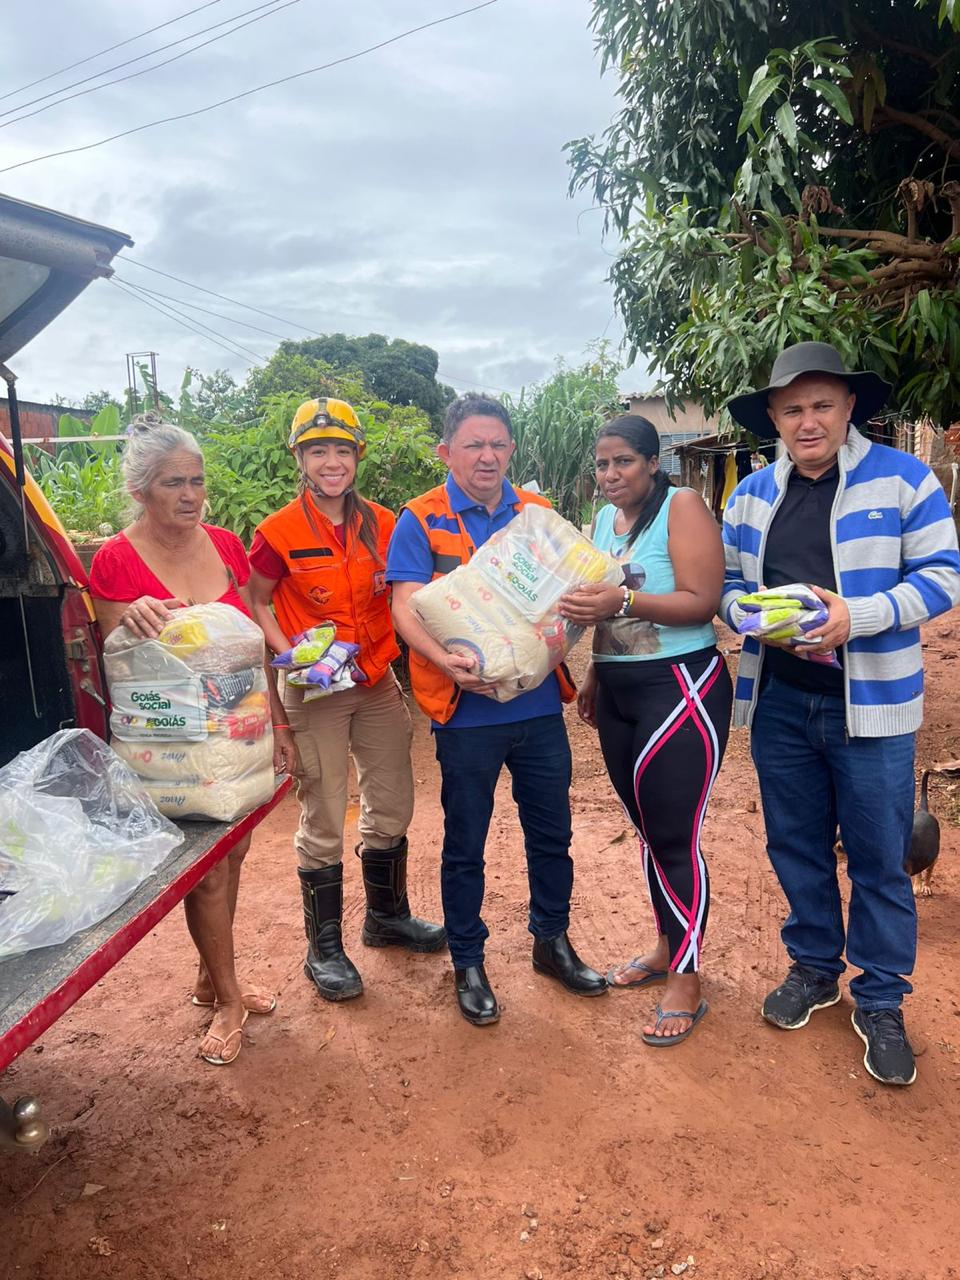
36, 988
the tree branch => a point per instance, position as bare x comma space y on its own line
888, 42
911, 50
951, 192
944, 115
751, 230
885, 242
926, 127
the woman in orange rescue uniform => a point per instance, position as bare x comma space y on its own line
321, 558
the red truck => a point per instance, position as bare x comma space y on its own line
51, 674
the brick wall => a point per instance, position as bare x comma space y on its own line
38, 419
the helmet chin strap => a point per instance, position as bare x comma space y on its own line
318, 492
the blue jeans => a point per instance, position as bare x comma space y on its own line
537, 754
812, 777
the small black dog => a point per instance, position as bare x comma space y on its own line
924, 844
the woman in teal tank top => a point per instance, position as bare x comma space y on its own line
660, 695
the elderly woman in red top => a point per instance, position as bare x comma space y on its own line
164, 559
322, 558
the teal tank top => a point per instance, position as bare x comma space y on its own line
647, 568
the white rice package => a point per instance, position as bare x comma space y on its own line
190, 710
192, 796
501, 607
218, 757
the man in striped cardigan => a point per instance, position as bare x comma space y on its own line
870, 529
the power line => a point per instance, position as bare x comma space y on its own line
222, 296
68, 97
219, 339
155, 293
270, 315
199, 324
103, 52
298, 75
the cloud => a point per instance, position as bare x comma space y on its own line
419, 191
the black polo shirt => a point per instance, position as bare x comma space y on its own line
798, 550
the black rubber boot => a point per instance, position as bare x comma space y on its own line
331, 971
388, 922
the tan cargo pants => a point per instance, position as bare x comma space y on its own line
371, 724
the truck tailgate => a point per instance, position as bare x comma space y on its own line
36, 988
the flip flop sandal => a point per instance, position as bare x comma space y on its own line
245, 997
651, 976
663, 1042
223, 1058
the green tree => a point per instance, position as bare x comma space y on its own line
291, 370
555, 423
218, 398
401, 458
782, 171
250, 471
94, 401
395, 371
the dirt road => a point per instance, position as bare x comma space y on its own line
387, 1138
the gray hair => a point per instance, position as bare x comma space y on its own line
150, 442
468, 406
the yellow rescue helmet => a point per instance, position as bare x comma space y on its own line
327, 419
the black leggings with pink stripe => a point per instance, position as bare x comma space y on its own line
663, 731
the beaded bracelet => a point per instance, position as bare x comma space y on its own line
627, 605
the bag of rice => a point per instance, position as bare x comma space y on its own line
501, 607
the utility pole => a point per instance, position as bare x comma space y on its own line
135, 367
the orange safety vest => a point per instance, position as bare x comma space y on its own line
436, 694
327, 582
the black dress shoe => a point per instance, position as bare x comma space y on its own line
475, 996
557, 959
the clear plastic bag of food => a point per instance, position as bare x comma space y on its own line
501, 607
200, 637
786, 615
78, 834
199, 691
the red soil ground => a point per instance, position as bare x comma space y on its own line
387, 1138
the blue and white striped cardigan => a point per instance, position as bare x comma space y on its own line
896, 563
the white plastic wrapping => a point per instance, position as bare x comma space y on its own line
501, 607
190, 711
78, 834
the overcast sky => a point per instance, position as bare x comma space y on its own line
419, 191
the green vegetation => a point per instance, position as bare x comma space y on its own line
243, 431
82, 481
781, 172
393, 371
555, 424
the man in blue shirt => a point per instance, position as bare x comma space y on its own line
475, 735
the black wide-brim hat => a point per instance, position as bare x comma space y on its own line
871, 391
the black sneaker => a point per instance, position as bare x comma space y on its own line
889, 1057
800, 994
